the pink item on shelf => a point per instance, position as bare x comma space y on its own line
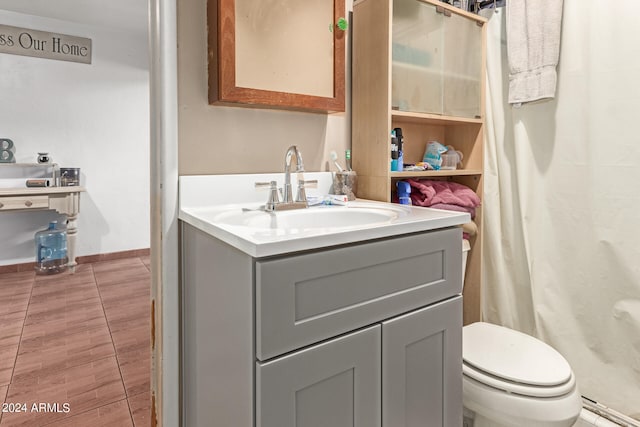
431, 192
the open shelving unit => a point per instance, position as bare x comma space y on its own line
376, 108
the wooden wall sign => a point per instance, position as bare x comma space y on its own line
42, 44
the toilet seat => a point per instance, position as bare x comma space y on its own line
514, 362
490, 407
518, 388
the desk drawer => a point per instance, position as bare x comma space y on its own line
307, 298
23, 202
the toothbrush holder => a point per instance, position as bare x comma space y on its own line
346, 183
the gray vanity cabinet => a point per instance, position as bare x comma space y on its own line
336, 384
422, 367
361, 335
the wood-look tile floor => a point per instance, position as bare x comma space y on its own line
79, 343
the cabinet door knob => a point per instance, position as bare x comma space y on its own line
28, 203
342, 24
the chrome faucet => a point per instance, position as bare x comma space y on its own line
288, 202
288, 196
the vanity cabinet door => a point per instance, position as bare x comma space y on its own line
336, 383
288, 54
422, 367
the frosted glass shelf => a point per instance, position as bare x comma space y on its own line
410, 116
433, 71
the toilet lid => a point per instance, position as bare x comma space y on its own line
513, 356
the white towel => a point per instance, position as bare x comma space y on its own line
533, 48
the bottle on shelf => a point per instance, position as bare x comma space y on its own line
394, 152
400, 141
404, 192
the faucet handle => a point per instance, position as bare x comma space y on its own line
265, 184
309, 183
302, 184
273, 194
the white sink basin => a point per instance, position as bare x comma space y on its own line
230, 214
327, 217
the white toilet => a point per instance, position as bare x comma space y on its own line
511, 379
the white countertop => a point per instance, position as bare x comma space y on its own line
204, 199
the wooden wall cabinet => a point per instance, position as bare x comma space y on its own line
419, 65
286, 56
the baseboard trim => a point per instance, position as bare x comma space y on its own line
611, 415
86, 259
17, 268
113, 255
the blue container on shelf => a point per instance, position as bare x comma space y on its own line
404, 192
51, 250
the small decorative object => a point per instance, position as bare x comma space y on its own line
6, 151
69, 177
44, 158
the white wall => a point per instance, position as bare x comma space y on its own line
95, 117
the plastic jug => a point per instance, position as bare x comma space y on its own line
51, 249
451, 159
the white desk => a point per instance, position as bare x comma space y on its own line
64, 200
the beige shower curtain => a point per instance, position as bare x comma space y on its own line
562, 201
